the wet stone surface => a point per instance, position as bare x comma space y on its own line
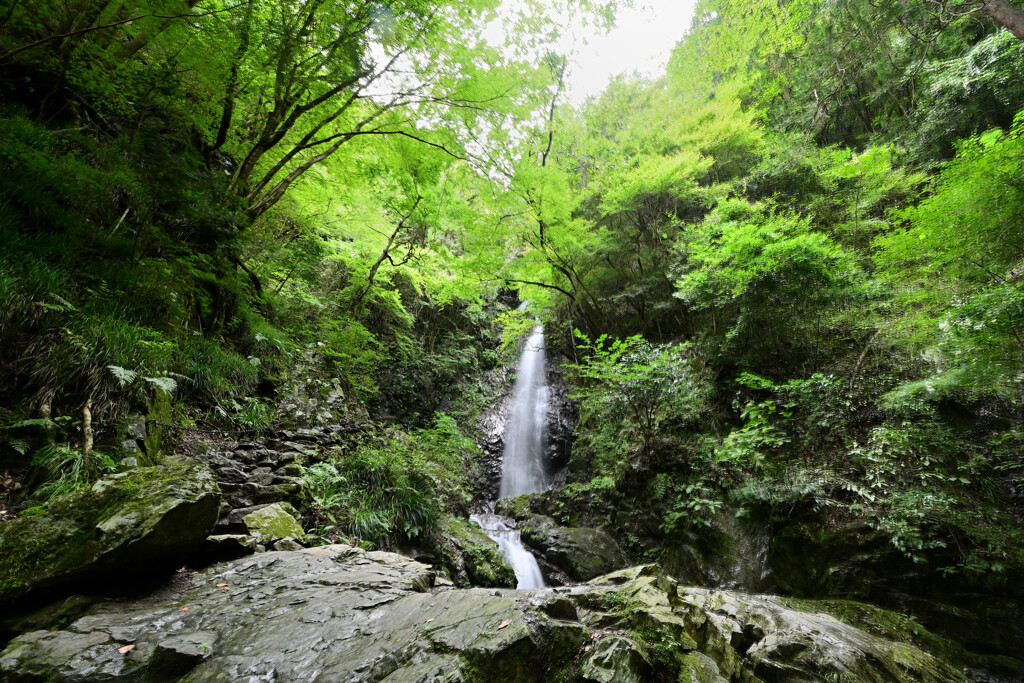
337, 613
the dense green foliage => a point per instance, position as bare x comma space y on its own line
787, 274
836, 240
205, 196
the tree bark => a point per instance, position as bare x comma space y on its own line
1006, 13
232, 86
87, 435
49, 429
385, 255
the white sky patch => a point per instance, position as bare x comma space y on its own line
641, 43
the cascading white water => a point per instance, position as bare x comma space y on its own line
524, 564
522, 466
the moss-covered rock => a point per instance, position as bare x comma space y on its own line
581, 552
697, 667
516, 508
472, 558
128, 525
983, 610
349, 614
616, 659
729, 552
273, 523
901, 628
776, 642
159, 415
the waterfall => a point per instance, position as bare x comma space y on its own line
523, 563
522, 465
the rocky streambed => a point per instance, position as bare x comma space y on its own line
338, 613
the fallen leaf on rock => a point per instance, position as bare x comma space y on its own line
184, 609
504, 624
125, 649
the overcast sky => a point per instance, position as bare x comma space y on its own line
641, 41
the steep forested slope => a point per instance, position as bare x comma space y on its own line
785, 277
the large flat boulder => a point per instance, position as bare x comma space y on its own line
338, 613
129, 525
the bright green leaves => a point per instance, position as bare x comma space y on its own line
956, 259
969, 227
864, 186
645, 383
771, 280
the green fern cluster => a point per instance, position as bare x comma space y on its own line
392, 486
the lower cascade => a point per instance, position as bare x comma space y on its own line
522, 469
524, 564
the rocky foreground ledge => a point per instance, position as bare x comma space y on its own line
337, 613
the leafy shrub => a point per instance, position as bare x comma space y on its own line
646, 384
393, 486
66, 470
768, 281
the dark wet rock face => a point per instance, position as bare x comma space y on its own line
491, 427
563, 413
337, 613
984, 612
581, 552
729, 553
135, 523
755, 553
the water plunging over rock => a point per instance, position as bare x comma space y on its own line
524, 564
522, 468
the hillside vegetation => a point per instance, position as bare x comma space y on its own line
786, 278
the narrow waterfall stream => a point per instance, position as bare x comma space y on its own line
522, 468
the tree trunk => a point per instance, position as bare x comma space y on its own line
371, 276
232, 86
1006, 13
49, 429
87, 434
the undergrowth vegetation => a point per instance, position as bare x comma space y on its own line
393, 487
785, 282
